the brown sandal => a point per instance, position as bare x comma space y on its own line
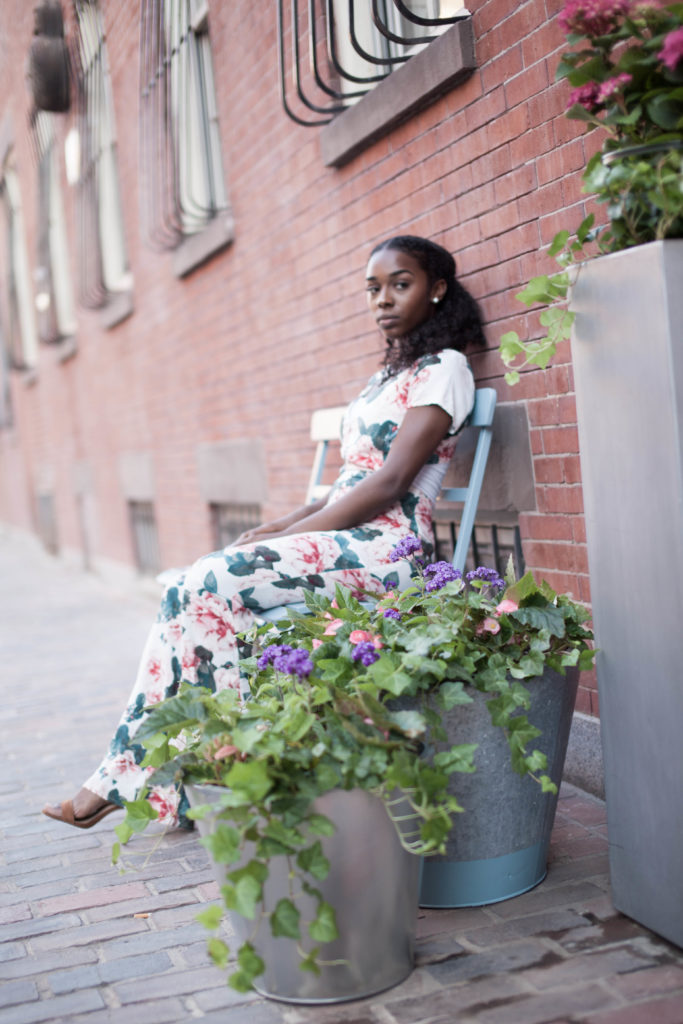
65, 813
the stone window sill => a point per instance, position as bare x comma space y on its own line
195, 250
118, 308
444, 64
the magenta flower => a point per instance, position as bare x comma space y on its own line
611, 86
672, 51
592, 17
586, 96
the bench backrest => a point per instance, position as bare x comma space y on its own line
326, 427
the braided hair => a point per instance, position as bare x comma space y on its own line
456, 322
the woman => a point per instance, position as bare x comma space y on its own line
398, 437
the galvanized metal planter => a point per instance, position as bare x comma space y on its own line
627, 352
498, 847
373, 886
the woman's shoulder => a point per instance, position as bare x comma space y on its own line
449, 359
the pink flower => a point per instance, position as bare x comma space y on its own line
586, 96
491, 625
592, 17
360, 636
672, 51
332, 627
316, 643
506, 606
611, 86
225, 751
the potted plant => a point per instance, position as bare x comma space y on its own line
624, 316
327, 735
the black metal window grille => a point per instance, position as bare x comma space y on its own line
103, 262
491, 545
54, 297
228, 521
16, 294
332, 52
145, 538
182, 183
46, 522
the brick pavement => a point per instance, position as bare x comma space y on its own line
82, 943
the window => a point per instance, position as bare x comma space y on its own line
369, 40
104, 274
46, 522
353, 45
16, 294
145, 540
54, 295
182, 190
229, 520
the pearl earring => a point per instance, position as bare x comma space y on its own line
435, 299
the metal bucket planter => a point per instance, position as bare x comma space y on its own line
498, 847
373, 886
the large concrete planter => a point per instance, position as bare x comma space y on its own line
373, 886
499, 847
627, 351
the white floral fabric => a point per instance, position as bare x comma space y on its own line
204, 608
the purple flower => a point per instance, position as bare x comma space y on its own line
295, 663
438, 574
392, 613
611, 86
586, 96
489, 576
365, 653
283, 658
270, 653
405, 547
672, 51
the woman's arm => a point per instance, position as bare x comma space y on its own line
278, 526
420, 433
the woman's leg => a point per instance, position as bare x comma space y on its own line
194, 637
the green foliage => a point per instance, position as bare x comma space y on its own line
629, 93
353, 725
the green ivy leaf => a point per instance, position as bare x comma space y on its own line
223, 844
218, 952
319, 825
324, 927
211, 917
284, 920
450, 694
249, 778
243, 897
314, 861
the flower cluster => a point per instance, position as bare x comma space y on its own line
671, 54
438, 574
485, 575
593, 17
405, 547
366, 653
284, 658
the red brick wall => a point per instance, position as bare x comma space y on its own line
275, 326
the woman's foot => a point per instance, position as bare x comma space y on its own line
84, 811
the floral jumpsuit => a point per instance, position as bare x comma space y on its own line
202, 610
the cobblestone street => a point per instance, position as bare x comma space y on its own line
85, 944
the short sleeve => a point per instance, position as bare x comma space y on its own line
444, 379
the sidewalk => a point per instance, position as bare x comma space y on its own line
83, 944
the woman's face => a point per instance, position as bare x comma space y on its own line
399, 293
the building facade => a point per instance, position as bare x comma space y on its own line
181, 259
